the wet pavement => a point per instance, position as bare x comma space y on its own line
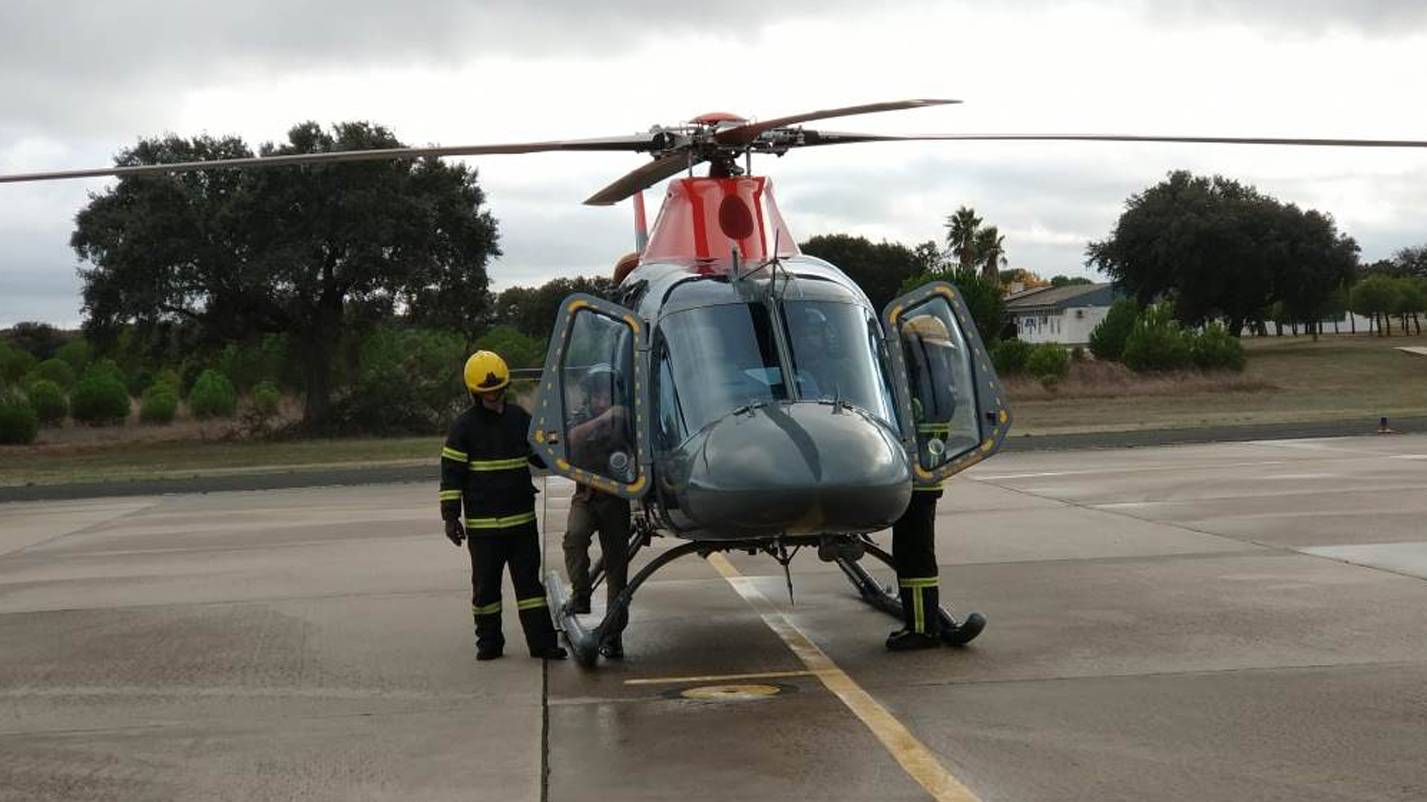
1231, 621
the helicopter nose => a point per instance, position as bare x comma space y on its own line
795, 468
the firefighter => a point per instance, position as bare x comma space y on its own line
599, 431
485, 470
929, 354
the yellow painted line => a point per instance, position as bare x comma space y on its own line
915, 758
717, 678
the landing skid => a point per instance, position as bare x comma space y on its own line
586, 642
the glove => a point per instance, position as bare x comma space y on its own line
454, 532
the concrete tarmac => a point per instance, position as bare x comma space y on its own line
1231, 621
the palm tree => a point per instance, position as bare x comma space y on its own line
990, 249
961, 235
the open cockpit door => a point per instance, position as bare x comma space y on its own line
951, 403
589, 419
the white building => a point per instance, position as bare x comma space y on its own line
1064, 315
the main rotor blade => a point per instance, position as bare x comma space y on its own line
644, 177
744, 134
624, 143
813, 138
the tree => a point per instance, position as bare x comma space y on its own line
310, 251
982, 298
1107, 339
961, 229
1411, 300
879, 268
990, 247
1026, 278
1411, 261
532, 310
1374, 296
40, 340
1068, 281
1220, 249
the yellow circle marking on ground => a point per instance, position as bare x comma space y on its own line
731, 693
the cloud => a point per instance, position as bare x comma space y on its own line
1376, 17
64, 62
78, 81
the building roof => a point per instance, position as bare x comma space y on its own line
1066, 297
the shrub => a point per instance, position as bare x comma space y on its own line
213, 396
518, 349
15, 363
1216, 349
168, 377
55, 370
1009, 356
266, 399
110, 369
982, 297
99, 399
159, 405
139, 380
188, 376
18, 423
77, 353
1077, 354
408, 380
48, 401
1156, 342
1048, 361
251, 363
1107, 340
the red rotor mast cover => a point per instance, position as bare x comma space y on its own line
706, 218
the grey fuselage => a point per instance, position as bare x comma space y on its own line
758, 429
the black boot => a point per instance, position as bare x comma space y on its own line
551, 652
905, 640
489, 650
613, 648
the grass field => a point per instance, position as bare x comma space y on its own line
1288, 379
170, 459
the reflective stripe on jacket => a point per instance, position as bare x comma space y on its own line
485, 469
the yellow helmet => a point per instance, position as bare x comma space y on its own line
927, 328
486, 372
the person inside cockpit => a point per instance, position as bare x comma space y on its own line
813, 339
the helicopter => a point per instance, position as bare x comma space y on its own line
754, 399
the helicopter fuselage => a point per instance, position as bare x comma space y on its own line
743, 391
772, 412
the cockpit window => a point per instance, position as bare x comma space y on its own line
838, 354
721, 358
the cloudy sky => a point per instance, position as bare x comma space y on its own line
80, 80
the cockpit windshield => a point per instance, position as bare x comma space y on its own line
718, 358
838, 355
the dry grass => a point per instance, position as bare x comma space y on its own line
1113, 380
1288, 379
169, 459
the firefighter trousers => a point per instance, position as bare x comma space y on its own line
914, 556
491, 551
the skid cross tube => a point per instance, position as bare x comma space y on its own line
586, 641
